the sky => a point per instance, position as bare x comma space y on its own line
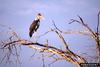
19, 14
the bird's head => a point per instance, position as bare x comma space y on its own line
39, 16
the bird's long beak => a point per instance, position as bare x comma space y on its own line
42, 18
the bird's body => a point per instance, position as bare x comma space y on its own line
35, 25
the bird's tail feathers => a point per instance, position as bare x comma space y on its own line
30, 33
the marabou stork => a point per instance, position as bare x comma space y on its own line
35, 24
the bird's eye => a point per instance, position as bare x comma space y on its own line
39, 14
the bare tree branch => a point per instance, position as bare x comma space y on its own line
60, 36
14, 40
97, 37
56, 59
94, 35
83, 24
43, 60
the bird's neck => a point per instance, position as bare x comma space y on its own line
38, 20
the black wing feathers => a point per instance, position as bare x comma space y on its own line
34, 26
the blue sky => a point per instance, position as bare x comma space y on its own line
19, 14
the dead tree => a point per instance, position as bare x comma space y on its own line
95, 35
12, 43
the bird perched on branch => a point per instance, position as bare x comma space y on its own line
35, 24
